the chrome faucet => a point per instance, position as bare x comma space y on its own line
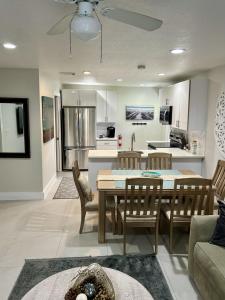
132, 141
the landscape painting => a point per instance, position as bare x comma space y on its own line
140, 113
47, 119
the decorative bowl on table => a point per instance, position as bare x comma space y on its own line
93, 282
151, 174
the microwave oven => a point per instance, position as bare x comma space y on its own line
165, 116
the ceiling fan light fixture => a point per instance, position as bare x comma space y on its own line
85, 27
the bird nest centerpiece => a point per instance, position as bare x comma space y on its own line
93, 282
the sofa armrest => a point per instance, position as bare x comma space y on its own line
201, 230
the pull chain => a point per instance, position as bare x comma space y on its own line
101, 43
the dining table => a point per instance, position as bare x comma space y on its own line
112, 183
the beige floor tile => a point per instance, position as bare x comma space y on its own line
81, 245
31, 245
8, 277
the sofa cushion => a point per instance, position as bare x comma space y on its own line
210, 259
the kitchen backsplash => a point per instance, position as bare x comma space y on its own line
101, 128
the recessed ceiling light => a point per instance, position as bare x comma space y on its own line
161, 74
87, 73
119, 79
9, 46
177, 51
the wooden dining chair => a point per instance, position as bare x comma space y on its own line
159, 161
89, 200
142, 206
191, 196
129, 160
218, 181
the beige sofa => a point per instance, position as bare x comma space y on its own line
206, 262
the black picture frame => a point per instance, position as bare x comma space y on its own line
26, 128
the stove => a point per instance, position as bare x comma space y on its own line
155, 145
178, 139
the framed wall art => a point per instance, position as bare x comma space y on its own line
47, 119
140, 113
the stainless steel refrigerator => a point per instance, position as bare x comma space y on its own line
78, 135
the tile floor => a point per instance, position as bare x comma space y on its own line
49, 228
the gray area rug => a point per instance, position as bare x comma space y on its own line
144, 268
66, 189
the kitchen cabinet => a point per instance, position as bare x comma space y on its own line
177, 95
78, 97
106, 106
190, 103
106, 144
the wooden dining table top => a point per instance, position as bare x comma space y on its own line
106, 179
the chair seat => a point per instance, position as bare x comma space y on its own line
167, 212
141, 219
93, 205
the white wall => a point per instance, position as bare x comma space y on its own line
49, 86
138, 96
216, 86
23, 175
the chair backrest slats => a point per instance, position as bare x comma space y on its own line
192, 196
219, 179
143, 197
159, 161
129, 160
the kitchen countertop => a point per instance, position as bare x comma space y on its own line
176, 153
148, 142
106, 139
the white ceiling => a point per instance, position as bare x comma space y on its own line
196, 25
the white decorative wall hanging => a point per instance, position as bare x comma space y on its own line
220, 124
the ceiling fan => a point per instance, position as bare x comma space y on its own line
85, 23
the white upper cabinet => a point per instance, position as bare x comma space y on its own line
101, 106
177, 95
78, 97
106, 106
70, 98
184, 94
87, 97
111, 106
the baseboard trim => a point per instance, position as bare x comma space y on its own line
49, 186
21, 196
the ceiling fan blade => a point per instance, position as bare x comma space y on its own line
132, 18
62, 25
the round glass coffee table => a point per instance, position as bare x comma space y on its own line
56, 286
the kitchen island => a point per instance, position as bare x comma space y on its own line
107, 159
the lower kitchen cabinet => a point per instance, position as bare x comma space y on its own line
106, 145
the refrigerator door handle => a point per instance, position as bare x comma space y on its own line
78, 129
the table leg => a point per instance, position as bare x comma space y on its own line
101, 217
